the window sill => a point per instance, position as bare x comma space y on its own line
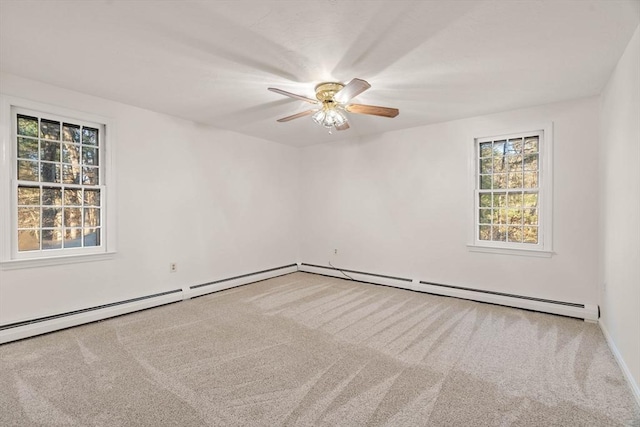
511, 251
15, 264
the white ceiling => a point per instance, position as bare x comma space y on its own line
212, 61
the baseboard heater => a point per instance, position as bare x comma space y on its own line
232, 282
587, 312
42, 325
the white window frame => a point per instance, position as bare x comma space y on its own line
544, 247
10, 257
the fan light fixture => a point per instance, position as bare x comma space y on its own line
333, 100
329, 116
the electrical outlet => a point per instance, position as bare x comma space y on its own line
173, 267
335, 252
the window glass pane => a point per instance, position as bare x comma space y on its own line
515, 179
499, 233
28, 195
485, 149
499, 164
485, 232
499, 199
514, 146
91, 217
89, 136
27, 126
73, 217
514, 199
485, 216
28, 240
72, 197
70, 133
530, 234
485, 182
530, 180
90, 175
52, 196
49, 172
530, 200
49, 129
72, 238
499, 148
515, 163
499, 216
28, 217
485, 166
52, 217
531, 217
514, 216
531, 162
531, 144
500, 180
90, 156
92, 197
485, 200
71, 174
514, 234
28, 148
71, 153
50, 151
27, 171
52, 239
91, 237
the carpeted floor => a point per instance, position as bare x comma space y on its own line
303, 349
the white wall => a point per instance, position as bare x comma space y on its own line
216, 202
400, 204
620, 202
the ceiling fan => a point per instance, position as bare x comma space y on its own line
332, 100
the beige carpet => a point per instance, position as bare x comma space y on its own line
304, 349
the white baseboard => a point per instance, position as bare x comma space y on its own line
587, 312
43, 326
635, 389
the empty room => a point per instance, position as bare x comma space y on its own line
320, 213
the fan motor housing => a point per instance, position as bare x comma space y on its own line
326, 91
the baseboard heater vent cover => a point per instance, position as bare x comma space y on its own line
243, 279
359, 276
85, 310
242, 276
45, 324
42, 325
581, 311
571, 304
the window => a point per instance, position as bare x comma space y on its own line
57, 187
512, 192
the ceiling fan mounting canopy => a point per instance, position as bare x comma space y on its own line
326, 91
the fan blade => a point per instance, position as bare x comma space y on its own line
295, 116
292, 95
354, 88
343, 126
373, 110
